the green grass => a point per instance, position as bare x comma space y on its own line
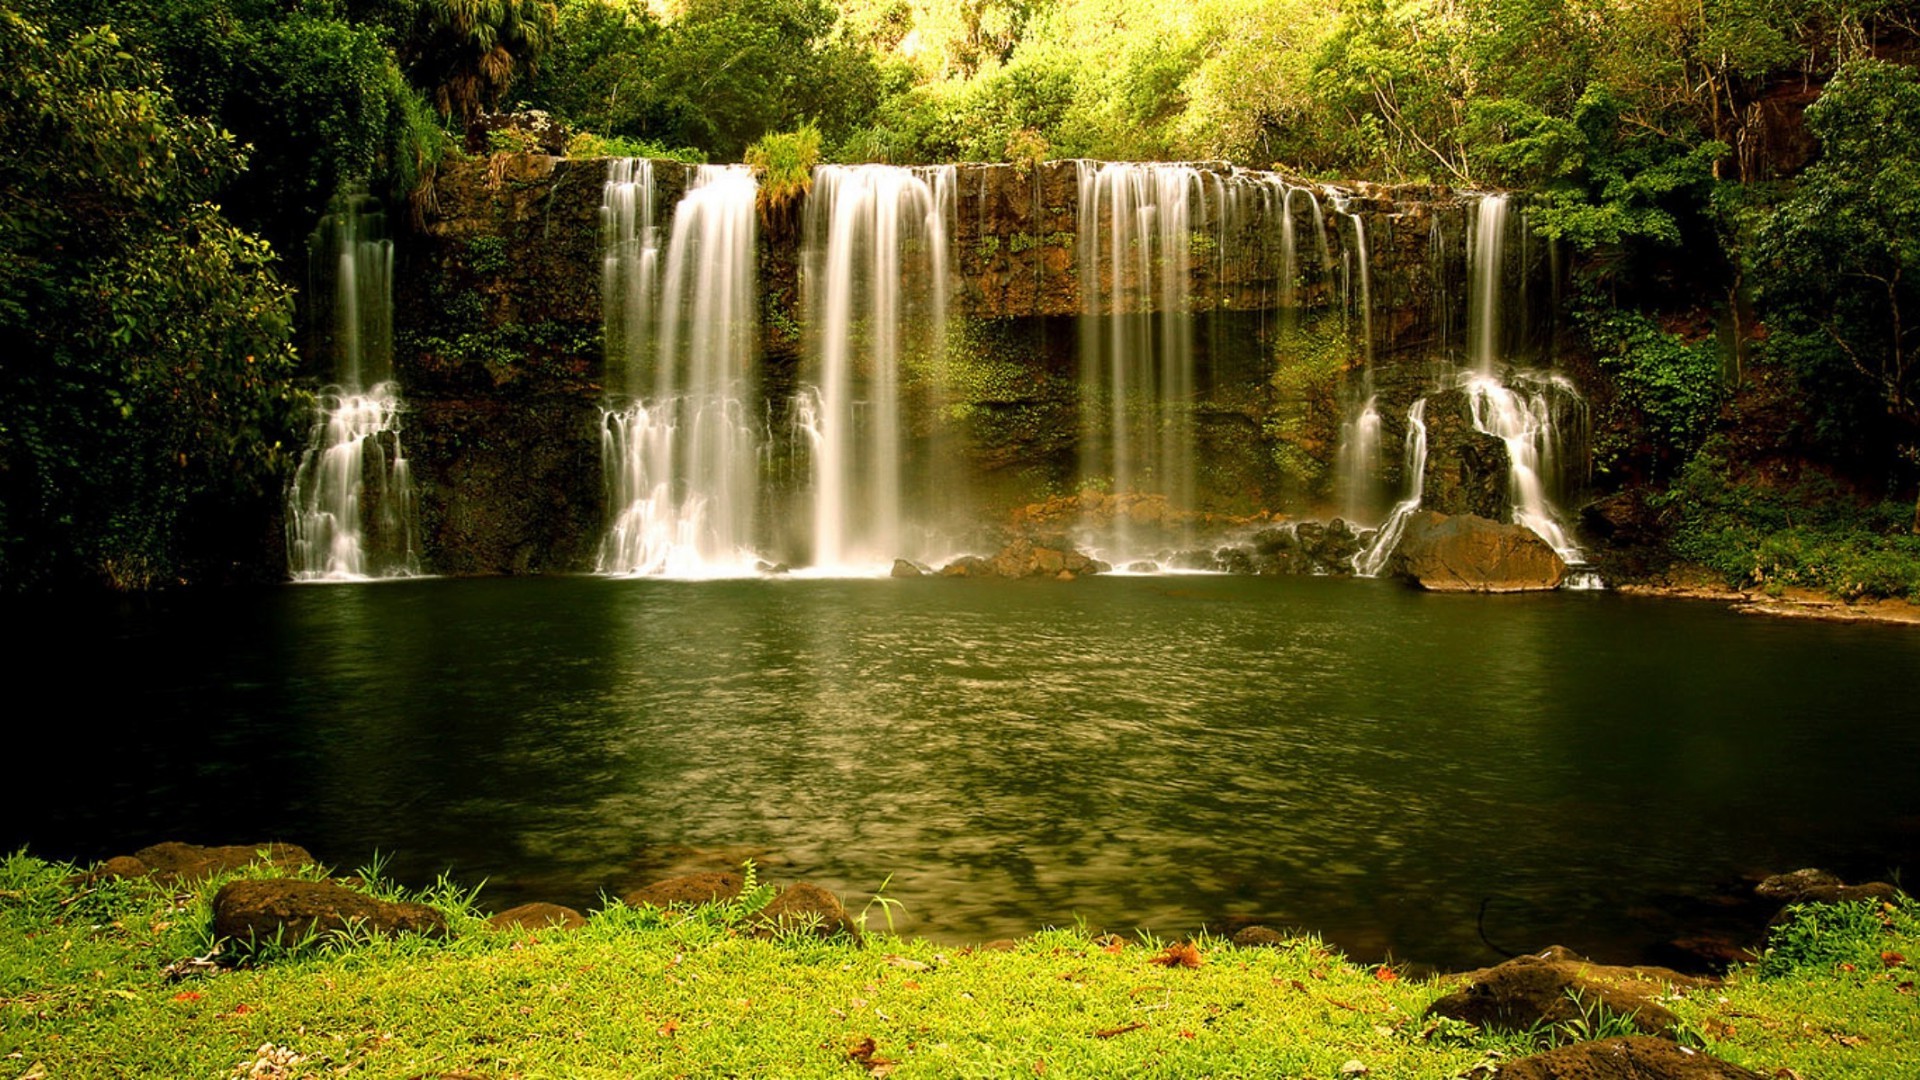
85, 991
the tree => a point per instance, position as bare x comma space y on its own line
468, 52
1839, 260
145, 405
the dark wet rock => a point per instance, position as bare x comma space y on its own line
290, 909
538, 916
1260, 937
1194, 560
1143, 566
1704, 952
1466, 469
1235, 560
1540, 989
1635, 1058
967, 566
173, 861
1820, 887
809, 909
903, 568
1465, 553
701, 888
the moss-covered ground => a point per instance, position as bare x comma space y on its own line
99, 979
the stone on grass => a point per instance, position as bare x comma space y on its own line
1540, 989
689, 889
806, 909
1260, 937
174, 862
538, 916
1633, 1058
288, 910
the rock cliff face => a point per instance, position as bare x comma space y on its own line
499, 345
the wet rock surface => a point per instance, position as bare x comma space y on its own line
701, 888
1467, 553
172, 861
1557, 987
288, 910
806, 908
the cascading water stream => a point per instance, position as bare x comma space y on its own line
878, 263
1356, 459
351, 511
1136, 330
1370, 562
682, 457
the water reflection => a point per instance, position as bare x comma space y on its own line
1351, 756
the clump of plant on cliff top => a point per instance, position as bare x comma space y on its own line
784, 165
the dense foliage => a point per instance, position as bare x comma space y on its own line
1661, 142
145, 390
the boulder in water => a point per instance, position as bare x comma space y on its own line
699, 888
904, 568
1467, 553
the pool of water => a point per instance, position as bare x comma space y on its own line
1152, 752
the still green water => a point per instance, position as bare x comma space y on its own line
1163, 752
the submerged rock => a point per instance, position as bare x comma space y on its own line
702, 888
809, 909
538, 916
291, 909
1634, 1058
1466, 553
1541, 989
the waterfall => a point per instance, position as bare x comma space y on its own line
1524, 422
1366, 280
682, 458
876, 286
1355, 460
1486, 251
1371, 561
351, 511
1520, 416
1136, 330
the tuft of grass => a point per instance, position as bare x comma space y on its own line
784, 163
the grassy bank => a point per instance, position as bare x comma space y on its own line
97, 979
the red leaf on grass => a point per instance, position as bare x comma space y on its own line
1180, 954
188, 995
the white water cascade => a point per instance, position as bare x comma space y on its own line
1373, 559
878, 261
681, 452
351, 511
1520, 415
1356, 460
1136, 223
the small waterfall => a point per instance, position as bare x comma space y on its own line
682, 459
1360, 248
1521, 416
1524, 422
1370, 562
1356, 460
1136, 330
878, 258
351, 511
1486, 257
